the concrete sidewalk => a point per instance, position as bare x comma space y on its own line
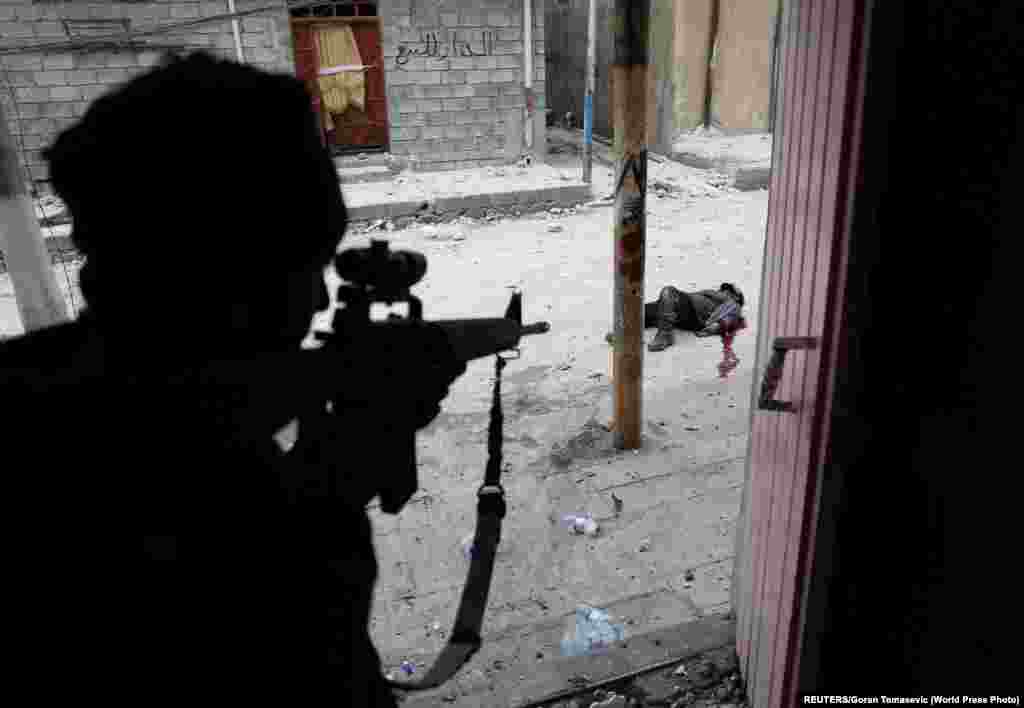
473, 192
745, 161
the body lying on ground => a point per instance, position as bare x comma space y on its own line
705, 312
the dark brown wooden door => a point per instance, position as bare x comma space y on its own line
816, 137
355, 128
307, 64
369, 127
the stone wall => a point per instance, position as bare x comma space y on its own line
53, 88
450, 111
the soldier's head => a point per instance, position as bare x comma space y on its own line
201, 197
734, 292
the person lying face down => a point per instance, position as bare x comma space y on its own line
705, 312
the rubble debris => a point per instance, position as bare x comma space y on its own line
613, 701
594, 442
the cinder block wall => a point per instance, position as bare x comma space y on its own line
54, 88
462, 111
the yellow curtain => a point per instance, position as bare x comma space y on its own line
348, 88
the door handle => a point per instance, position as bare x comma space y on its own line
773, 372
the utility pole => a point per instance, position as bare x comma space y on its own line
629, 28
588, 99
39, 298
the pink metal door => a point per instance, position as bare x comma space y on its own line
816, 143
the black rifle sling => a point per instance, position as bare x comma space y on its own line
465, 638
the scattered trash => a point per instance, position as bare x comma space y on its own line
613, 701
582, 524
408, 668
616, 503
644, 546
592, 633
555, 228
579, 680
681, 671
689, 576
430, 231
692, 428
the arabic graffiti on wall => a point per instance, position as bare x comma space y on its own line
433, 47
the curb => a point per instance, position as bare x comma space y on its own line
552, 681
745, 178
476, 205
441, 208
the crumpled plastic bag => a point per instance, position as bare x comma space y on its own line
591, 632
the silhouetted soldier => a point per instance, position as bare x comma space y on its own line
206, 209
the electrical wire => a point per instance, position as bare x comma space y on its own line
115, 40
122, 37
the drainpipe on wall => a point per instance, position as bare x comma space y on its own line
528, 70
237, 32
588, 98
712, 52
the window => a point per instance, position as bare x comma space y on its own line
84, 29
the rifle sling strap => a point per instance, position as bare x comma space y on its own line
465, 638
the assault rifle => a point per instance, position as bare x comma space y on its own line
378, 275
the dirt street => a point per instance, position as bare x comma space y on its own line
664, 556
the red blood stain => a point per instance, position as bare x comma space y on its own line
729, 359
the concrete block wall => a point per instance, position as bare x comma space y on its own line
52, 89
451, 112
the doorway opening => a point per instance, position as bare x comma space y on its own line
339, 57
